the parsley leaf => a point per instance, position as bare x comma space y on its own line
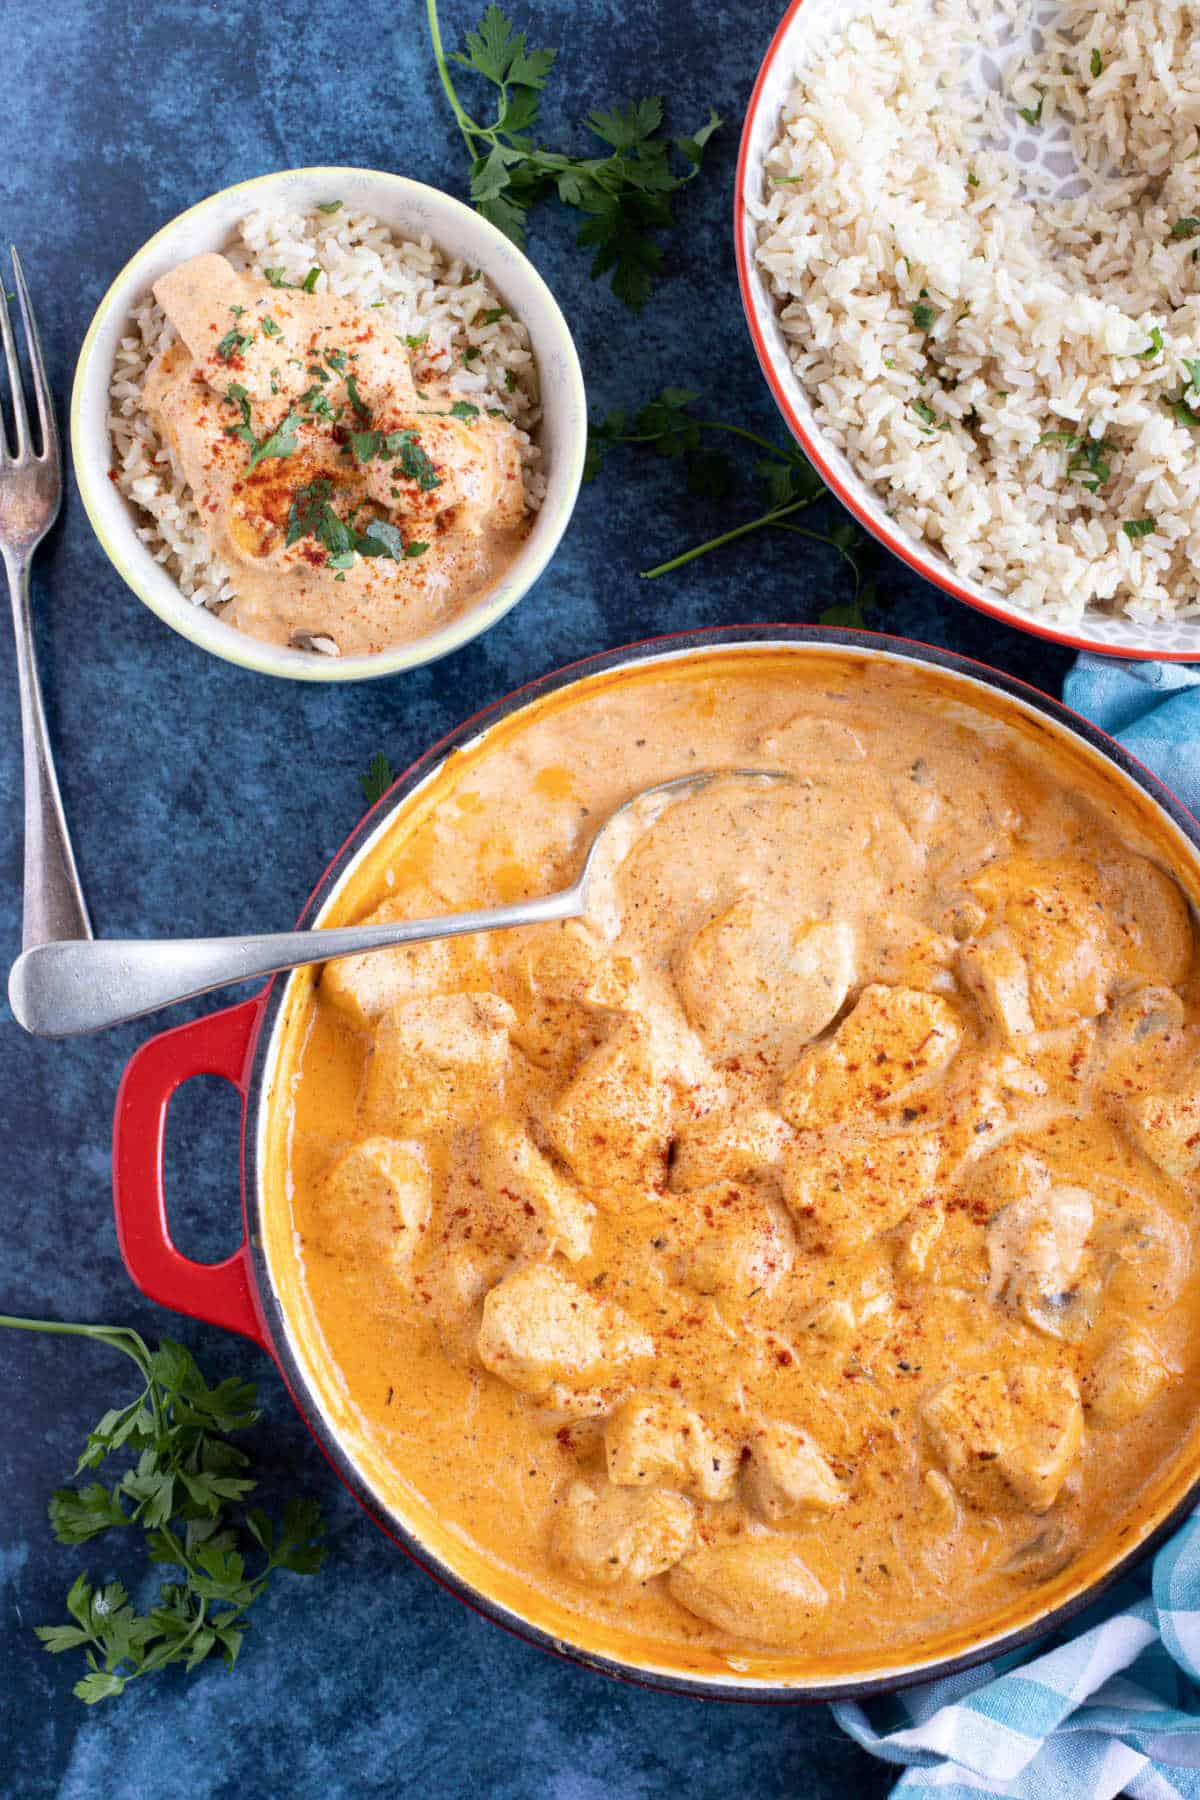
234, 343
1139, 528
1186, 228
1153, 348
378, 778
281, 442
183, 1489
1097, 64
923, 316
309, 283
275, 278
1032, 115
625, 195
330, 206
271, 328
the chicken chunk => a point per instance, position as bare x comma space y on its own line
733, 1240
537, 1209
572, 963
1149, 925
439, 1060
1053, 910
788, 1478
613, 1123
368, 986
576, 988
734, 1144
609, 1534
1146, 1042
1036, 1247
755, 1588
539, 1329
1127, 1376
652, 1439
1166, 1126
377, 1194
994, 970
758, 985
452, 1287
843, 1197
1001, 1438
894, 1039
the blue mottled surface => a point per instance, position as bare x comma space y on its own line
205, 799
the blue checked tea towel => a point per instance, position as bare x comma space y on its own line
1112, 1704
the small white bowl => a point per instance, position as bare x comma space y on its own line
409, 209
805, 26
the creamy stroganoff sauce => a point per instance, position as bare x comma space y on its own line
796, 1254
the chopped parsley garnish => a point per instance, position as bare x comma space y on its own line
1097, 64
275, 277
923, 316
360, 406
471, 352
1153, 348
329, 206
414, 343
312, 514
309, 283
282, 441
234, 343
336, 360
1032, 115
380, 539
1087, 463
237, 311
972, 178
928, 417
237, 396
317, 372
510, 380
1139, 528
1192, 365
271, 328
1180, 411
384, 446
494, 314
462, 409
1186, 228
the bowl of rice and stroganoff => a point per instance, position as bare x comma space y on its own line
968, 239
329, 424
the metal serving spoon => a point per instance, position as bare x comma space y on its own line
77, 985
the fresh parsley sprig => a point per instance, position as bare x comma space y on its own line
788, 485
626, 194
184, 1481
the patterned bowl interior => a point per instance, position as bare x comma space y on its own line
806, 27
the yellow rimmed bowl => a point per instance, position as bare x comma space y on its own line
409, 209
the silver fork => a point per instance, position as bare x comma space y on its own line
30, 494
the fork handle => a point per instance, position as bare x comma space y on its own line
54, 904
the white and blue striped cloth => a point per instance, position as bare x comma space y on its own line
1112, 1704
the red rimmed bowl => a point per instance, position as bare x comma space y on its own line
805, 26
254, 1291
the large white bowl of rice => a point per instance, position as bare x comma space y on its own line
968, 239
479, 317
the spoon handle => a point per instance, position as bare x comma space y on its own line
79, 985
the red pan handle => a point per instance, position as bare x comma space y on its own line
220, 1293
